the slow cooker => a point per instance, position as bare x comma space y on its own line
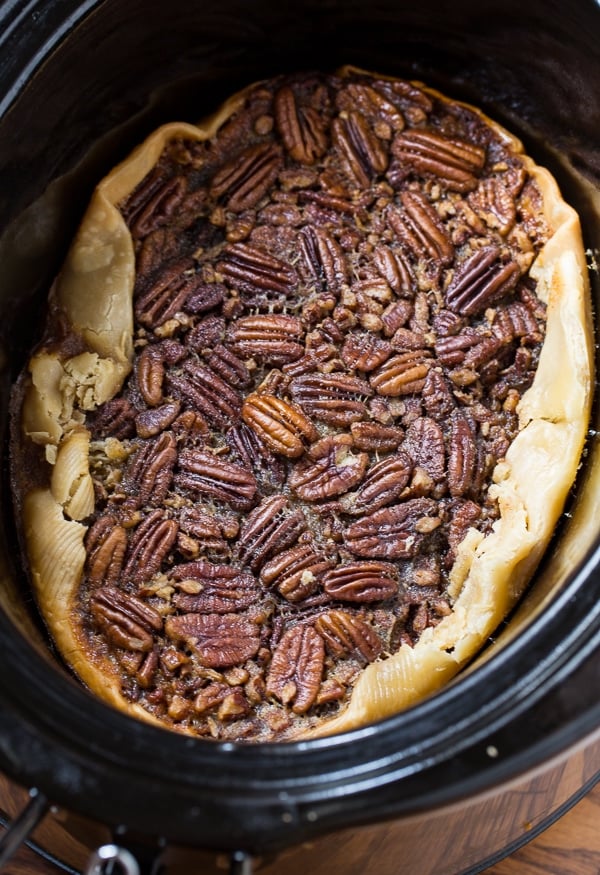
462, 778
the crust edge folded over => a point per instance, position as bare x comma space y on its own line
490, 572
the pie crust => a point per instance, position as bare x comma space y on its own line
91, 304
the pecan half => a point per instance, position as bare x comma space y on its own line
336, 398
105, 543
148, 547
280, 425
203, 473
207, 393
296, 573
245, 180
156, 302
393, 268
365, 351
361, 151
373, 437
150, 372
453, 162
324, 259
480, 281
149, 423
385, 482
300, 127
256, 455
219, 640
271, 527
348, 634
223, 362
272, 338
424, 443
331, 469
384, 117
222, 588
393, 532
296, 668
251, 270
462, 456
153, 202
125, 620
115, 418
403, 374
420, 230
148, 475
362, 582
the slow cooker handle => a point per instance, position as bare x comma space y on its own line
113, 859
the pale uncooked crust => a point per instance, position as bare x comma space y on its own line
94, 293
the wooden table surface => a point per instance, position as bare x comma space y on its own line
571, 846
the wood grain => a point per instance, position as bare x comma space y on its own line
571, 846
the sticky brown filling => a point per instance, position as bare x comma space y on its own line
334, 327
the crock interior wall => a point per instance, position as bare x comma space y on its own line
128, 66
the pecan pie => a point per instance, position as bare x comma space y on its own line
313, 390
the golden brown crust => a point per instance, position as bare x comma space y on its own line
94, 292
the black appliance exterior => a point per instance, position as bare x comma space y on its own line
82, 83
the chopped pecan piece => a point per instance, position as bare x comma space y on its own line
296, 573
480, 281
336, 398
245, 180
420, 230
495, 204
297, 668
204, 473
219, 640
393, 532
453, 162
348, 634
271, 527
331, 469
272, 338
125, 619
281, 426
227, 702
362, 582
223, 589
300, 127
